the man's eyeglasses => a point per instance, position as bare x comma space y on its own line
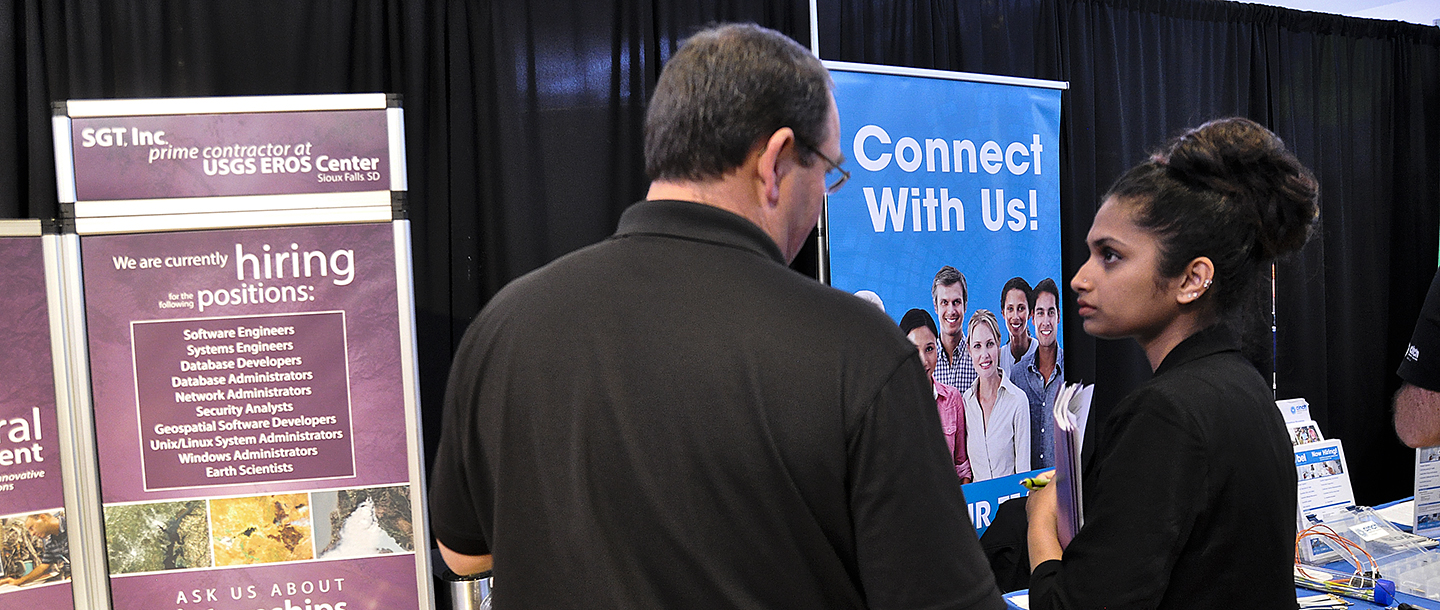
836, 176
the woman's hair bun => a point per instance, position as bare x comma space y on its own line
1251, 168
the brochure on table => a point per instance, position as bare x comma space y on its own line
253, 385
1324, 478
1427, 492
34, 534
1304, 432
1293, 409
1324, 481
1324, 487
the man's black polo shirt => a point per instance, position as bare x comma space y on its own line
673, 418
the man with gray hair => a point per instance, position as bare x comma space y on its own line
726, 433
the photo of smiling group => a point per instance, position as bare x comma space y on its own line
995, 373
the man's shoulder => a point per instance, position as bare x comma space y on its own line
1201, 389
550, 277
850, 318
622, 277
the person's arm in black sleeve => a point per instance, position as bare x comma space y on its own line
1417, 404
915, 545
464, 553
1139, 511
454, 519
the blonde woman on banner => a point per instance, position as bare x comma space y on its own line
997, 414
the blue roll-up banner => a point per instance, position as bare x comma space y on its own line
984, 497
947, 169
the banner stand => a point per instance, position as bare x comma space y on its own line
77, 426
38, 469
207, 404
950, 223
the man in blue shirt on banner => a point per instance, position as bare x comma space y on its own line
726, 433
1041, 373
953, 367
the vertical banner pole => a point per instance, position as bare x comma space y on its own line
409, 359
72, 378
814, 28
79, 419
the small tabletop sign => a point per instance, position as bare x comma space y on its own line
1427, 492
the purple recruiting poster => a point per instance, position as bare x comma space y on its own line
250, 418
35, 550
204, 155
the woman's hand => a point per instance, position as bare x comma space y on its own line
1042, 512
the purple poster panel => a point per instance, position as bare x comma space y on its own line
256, 398
203, 155
250, 418
349, 585
32, 516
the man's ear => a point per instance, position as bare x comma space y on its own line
773, 165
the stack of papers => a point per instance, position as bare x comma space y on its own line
1072, 408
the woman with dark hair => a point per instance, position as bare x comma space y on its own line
1189, 498
920, 329
1017, 298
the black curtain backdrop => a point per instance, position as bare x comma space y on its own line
523, 127
1357, 100
523, 117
